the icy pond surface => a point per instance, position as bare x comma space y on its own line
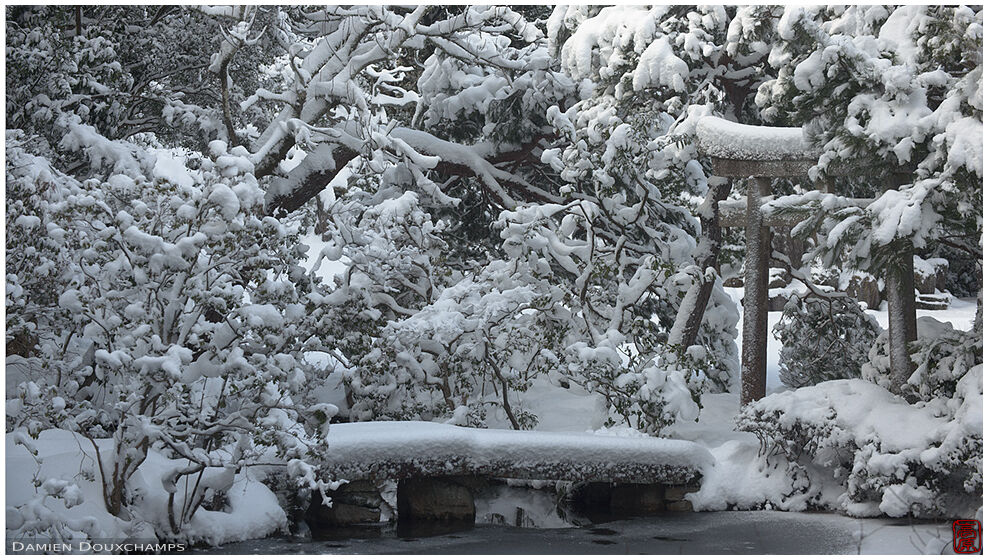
741, 532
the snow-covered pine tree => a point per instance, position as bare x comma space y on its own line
823, 339
897, 92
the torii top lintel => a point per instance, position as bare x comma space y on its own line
741, 150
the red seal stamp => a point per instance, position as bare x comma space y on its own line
967, 536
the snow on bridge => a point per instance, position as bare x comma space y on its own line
400, 450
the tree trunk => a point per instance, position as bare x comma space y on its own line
902, 318
712, 237
901, 295
790, 246
754, 341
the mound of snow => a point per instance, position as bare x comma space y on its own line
66, 459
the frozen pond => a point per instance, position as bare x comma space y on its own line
748, 532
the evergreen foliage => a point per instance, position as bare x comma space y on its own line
823, 339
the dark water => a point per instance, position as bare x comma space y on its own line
754, 532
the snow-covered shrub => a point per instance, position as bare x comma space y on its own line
474, 349
36, 265
823, 339
602, 301
54, 493
485, 337
944, 359
190, 314
53, 73
853, 446
941, 355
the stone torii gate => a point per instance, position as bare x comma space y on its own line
762, 153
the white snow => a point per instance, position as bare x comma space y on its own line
561, 409
659, 66
170, 165
725, 139
864, 409
64, 459
965, 138
738, 476
899, 28
224, 197
119, 155
384, 442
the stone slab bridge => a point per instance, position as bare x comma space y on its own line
759, 154
437, 467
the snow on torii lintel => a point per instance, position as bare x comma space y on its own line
400, 449
730, 140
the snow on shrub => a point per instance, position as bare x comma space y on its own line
823, 339
35, 269
477, 346
188, 315
941, 354
853, 446
54, 493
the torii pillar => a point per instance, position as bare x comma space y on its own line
762, 153
757, 249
